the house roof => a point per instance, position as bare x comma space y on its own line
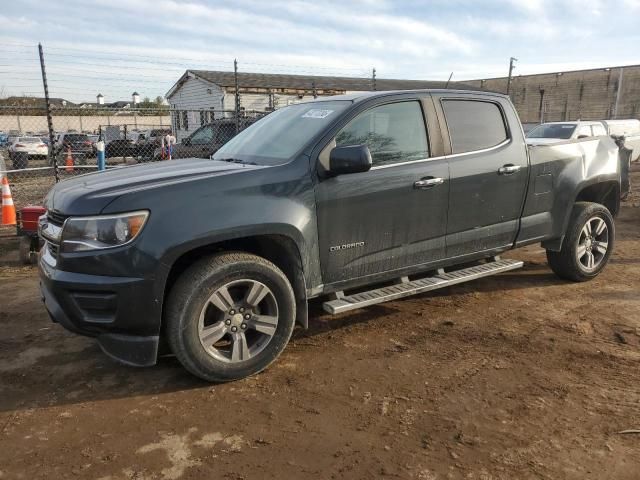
39, 102
306, 82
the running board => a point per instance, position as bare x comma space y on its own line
404, 288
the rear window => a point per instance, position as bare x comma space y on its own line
474, 125
159, 133
29, 140
76, 138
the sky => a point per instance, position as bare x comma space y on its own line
117, 46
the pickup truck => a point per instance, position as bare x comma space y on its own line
554, 132
359, 199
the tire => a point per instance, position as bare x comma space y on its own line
208, 298
583, 256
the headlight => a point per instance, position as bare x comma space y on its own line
81, 234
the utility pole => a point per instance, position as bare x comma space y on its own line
373, 80
448, 80
51, 153
235, 79
618, 90
511, 67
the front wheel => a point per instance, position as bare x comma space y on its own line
587, 245
229, 316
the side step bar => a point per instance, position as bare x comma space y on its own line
343, 303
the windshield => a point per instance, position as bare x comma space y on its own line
553, 130
277, 137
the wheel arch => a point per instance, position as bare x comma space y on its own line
278, 248
605, 193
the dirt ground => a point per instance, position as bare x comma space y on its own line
521, 375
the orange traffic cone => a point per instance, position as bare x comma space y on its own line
8, 208
68, 162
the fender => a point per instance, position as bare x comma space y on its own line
578, 169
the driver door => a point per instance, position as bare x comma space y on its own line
393, 216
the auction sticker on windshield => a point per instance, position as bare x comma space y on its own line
317, 113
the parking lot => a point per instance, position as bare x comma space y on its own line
521, 375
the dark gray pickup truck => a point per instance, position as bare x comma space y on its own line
358, 198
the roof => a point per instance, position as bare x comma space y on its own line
39, 102
307, 82
359, 96
571, 122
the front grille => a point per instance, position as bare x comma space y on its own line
56, 218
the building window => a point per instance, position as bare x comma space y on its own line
203, 118
176, 119
185, 120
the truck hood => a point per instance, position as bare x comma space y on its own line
89, 194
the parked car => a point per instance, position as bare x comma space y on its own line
78, 144
120, 147
22, 149
628, 132
357, 198
554, 132
206, 141
4, 139
94, 140
150, 141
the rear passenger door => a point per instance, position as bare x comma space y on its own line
393, 216
488, 166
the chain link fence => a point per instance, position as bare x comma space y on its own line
33, 164
190, 108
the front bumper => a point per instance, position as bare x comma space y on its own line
120, 312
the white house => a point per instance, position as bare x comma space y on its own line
200, 96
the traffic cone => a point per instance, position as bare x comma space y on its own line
68, 162
8, 208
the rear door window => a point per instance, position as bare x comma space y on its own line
394, 133
474, 124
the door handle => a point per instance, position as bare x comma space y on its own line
424, 183
509, 169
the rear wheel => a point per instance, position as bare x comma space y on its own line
229, 316
587, 245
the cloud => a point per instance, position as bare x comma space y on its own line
117, 45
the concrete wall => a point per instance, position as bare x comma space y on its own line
38, 123
583, 94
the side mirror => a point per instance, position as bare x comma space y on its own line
349, 159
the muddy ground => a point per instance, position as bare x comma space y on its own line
521, 375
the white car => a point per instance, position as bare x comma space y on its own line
554, 132
32, 146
